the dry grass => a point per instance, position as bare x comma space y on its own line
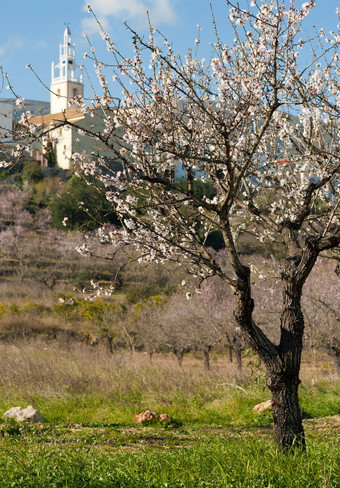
316, 366
73, 383
79, 383
27, 325
15, 291
59, 367
64, 366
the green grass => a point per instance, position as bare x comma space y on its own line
320, 400
90, 399
157, 457
217, 407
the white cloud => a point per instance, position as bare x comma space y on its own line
17, 43
161, 11
9, 47
90, 26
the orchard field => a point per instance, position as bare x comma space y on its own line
196, 294
90, 398
91, 366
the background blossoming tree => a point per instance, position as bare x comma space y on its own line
259, 122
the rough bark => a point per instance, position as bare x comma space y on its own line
206, 356
333, 349
283, 361
288, 429
238, 355
283, 380
179, 355
110, 343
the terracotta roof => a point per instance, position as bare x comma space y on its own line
283, 161
72, 115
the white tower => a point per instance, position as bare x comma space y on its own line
66, 85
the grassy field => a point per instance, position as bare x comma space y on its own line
90, 398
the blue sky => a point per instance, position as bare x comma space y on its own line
30, 32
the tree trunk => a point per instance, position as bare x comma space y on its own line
230, 351
238, 354
283, 361
288, 429
206, 356
132, 350
337, 365
109, 343
150, 356
179, 355
283, 380
333, 349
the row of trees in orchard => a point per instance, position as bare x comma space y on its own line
204, 322
160, 314
179, 325
31, 249
262, 115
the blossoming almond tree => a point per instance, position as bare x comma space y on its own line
259, 122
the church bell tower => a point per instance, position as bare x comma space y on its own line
65, 85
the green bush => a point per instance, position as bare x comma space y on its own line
33, 308
32, 172
84, 205
14, 308
95, 312
3, 310
45, 191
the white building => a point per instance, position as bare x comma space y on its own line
64, 140
65, 85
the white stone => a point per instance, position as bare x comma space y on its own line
263, 407
28, 414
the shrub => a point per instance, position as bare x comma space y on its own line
84, 205
32, 172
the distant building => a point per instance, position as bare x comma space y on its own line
6, 121
66, 85
64, 140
